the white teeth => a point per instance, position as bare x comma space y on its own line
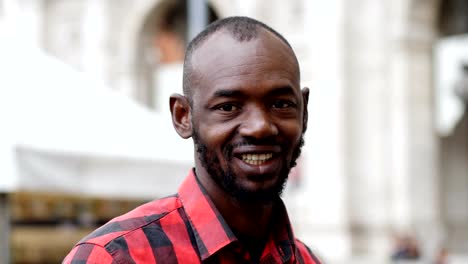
256, 159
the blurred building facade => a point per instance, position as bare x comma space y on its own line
373, 164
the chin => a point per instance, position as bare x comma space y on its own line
258, 194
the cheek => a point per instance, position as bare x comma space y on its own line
292, 131
216, 138
217, 132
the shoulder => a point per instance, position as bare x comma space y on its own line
306, 254
88, 253
130, 222
101, 245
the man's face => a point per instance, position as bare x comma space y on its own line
247, 114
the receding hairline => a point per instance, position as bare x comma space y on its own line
241, 29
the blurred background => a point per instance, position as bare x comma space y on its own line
85, 130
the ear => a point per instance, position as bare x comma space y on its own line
305, 114
181, 115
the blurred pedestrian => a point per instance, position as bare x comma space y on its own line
406, 248
441, 256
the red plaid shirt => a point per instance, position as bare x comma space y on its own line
184, 228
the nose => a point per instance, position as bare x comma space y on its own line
258, 124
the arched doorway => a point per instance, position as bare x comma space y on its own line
160, 52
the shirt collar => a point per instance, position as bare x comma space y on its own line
281, 243
212, 232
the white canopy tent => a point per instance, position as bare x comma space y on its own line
61, 132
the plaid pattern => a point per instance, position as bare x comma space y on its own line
184, 228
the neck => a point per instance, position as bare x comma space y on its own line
243, 217
248, 219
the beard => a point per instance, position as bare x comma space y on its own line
226, 178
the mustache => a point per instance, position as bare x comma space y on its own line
268, 141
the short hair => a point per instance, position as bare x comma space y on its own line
239, 27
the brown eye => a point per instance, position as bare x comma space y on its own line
282, 104
227, 107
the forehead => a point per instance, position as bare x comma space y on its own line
224, 61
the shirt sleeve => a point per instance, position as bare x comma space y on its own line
89, 254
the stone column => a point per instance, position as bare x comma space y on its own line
423, 164
368, 129
95, 48
415, 184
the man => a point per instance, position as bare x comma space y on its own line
246, 113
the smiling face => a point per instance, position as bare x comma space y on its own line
247, 115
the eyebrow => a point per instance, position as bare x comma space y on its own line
283, 90
228, 93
